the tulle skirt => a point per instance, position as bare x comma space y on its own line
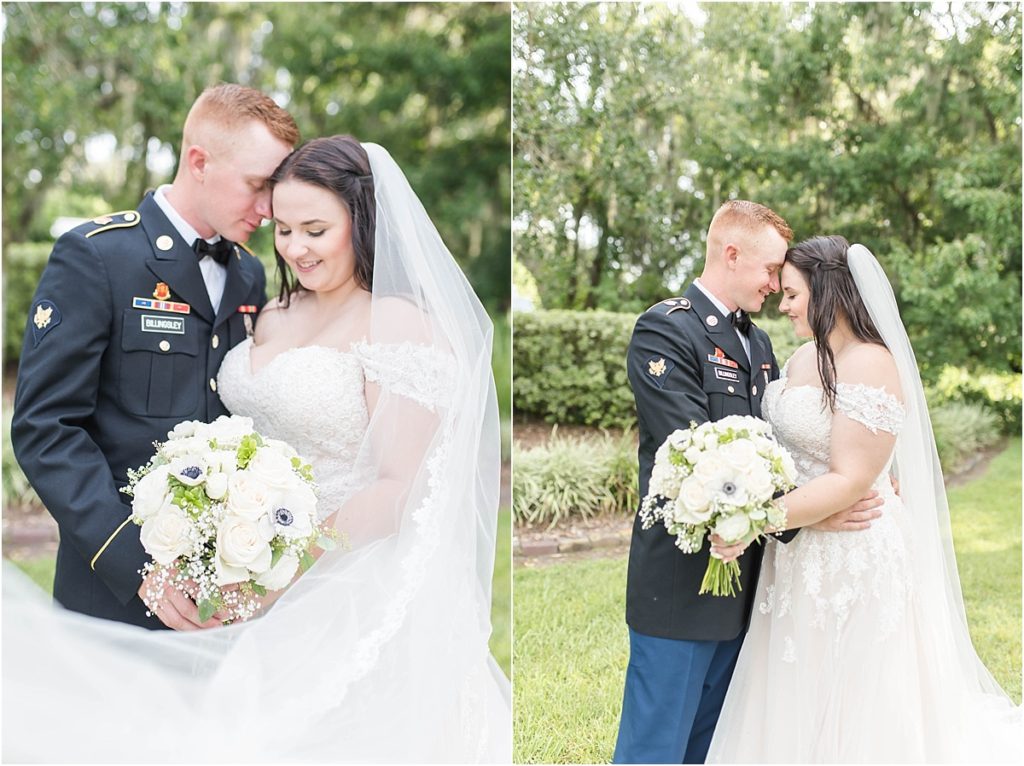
842, 665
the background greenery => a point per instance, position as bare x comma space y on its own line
570, 662
430, 81
896, 125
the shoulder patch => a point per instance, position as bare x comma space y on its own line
122, 220
44, 317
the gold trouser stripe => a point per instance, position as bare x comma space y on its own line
92, 564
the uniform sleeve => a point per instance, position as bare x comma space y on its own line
67, 333
665, 377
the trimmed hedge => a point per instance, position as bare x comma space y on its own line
570, 366
23, 265
574, 476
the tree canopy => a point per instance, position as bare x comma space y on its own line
896, 125
429, 81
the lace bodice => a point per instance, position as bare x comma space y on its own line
313, 397
820, 577
802, 421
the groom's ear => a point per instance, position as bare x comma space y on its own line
730, 254
196, 158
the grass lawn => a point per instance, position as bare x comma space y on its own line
571, 646
41, 571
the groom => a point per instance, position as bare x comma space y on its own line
697, 358
129, 324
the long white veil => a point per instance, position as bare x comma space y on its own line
947, 649
379, 653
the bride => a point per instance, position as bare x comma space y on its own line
858, 649
375, 367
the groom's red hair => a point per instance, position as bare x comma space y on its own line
744, 214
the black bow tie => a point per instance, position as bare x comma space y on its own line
740, 320
220, 250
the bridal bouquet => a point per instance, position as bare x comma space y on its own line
226, 514
719, 477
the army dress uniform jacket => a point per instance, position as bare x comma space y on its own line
686, 363
106, 369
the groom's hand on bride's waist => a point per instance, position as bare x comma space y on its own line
858, 516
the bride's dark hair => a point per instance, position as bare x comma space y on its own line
823, 263
338, 164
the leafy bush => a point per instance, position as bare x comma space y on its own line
23, 265
570, 366
573, 476
961, 431
998, 392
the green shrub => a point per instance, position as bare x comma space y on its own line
572, 476
999, 392
961, 431
23, 265
570, 366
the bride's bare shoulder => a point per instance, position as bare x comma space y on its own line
869, 364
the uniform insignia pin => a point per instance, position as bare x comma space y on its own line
247, 308
162, 291
656, 367
102, 220
712, 320
42, 317
164, 242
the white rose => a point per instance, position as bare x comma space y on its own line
693, 504
165, 535
222, 461
272, 467
150, 493
248, 495
709, 441
732, 528
216, 486
281, 447
295, 511
190, 470
229, 430
242, 547
788, 467
177, 448
279, 575
759, 482
709, 467
739, 454
692, 454
680, 438
183, 429
665, 479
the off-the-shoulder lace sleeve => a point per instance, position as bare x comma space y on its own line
873, 407
421, 373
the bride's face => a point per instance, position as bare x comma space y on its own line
313, 233
796, 296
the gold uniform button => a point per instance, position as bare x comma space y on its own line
731, 390
130, 216
164, 242
165, 346
754, 390
215, 341
213, 384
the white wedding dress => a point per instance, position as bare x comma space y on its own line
839, 665
379, 653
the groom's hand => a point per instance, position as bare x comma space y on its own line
172, 607
857, 516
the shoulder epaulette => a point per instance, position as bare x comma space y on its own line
246, 248
121, 220
672, 304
